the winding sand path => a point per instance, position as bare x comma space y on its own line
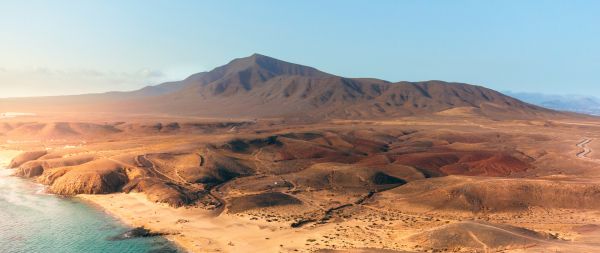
143, 161
215, 190
485, 246
586, 150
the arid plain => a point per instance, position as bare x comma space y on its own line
348, 165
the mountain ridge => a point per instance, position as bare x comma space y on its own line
262, 86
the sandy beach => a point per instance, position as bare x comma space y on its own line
197, 230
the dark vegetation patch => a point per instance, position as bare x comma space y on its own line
302, 136
381, 178
262, 200
246, 146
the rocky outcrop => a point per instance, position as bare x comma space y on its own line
30, 169
36, 168
26, 157
97, 177
136, 233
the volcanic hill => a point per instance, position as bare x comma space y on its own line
259, 86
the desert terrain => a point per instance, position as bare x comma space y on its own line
262, 155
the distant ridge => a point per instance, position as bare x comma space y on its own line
572, 103
261, 86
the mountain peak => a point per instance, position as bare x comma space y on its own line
257, 55
254, 58
273, 66
244, 74
274, 88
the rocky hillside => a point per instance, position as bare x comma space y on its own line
261, 86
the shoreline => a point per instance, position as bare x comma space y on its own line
197, 230
35, 188
193, 229
6, 155
91, 202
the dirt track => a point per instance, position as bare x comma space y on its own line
586, 151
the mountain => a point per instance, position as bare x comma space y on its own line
261, 86
572, 103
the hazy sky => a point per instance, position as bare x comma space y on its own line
68, 47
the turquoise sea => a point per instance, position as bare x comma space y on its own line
32, 221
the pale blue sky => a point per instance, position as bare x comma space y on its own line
67, 47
